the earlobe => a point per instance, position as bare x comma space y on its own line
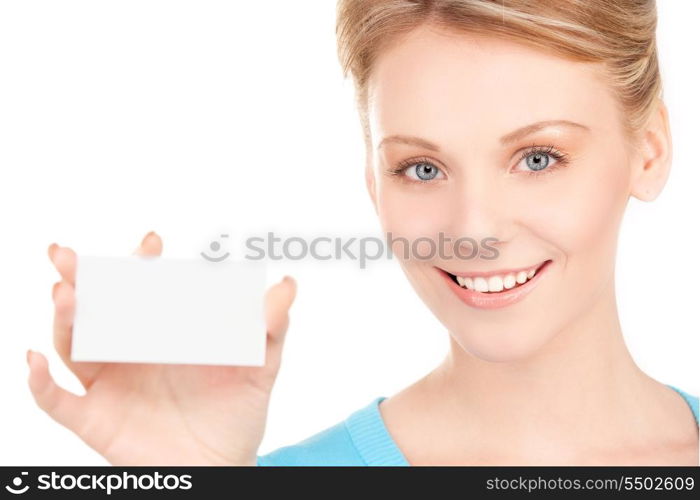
654, 162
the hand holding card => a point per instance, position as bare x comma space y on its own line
152, 409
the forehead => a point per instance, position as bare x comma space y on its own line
448, 86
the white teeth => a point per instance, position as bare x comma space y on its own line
495, 284
509, 281
480, 285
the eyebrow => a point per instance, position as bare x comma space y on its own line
535, 127
506, 139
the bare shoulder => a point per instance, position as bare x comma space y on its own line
671, 414
674, 437
663, 432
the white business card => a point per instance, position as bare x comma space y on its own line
158, 310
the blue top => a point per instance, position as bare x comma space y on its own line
363, 439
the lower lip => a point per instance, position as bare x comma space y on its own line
495, 300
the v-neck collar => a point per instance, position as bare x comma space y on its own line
371, 437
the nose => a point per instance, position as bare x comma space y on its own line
478, 217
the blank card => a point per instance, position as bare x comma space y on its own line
157, 310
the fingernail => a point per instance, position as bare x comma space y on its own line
146, 237
52, 250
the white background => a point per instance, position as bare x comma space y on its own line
194, 118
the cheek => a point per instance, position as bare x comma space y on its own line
405, 213
580, 211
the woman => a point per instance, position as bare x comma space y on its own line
529, 125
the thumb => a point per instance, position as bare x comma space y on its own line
278, 300
64, 407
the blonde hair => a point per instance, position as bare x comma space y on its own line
619, 34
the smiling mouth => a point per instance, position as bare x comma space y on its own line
495, 283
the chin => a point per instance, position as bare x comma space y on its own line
501, 345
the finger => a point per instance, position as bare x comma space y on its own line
278, 300
64, 309
64, 259
64, 300
64, 407
150, 245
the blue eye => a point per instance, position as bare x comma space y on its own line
537, 161
418, 170
540, 160
424, 171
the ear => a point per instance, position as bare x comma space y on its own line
371, 184
654, 163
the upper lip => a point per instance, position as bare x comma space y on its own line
500, 272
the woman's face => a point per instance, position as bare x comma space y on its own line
512, 144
